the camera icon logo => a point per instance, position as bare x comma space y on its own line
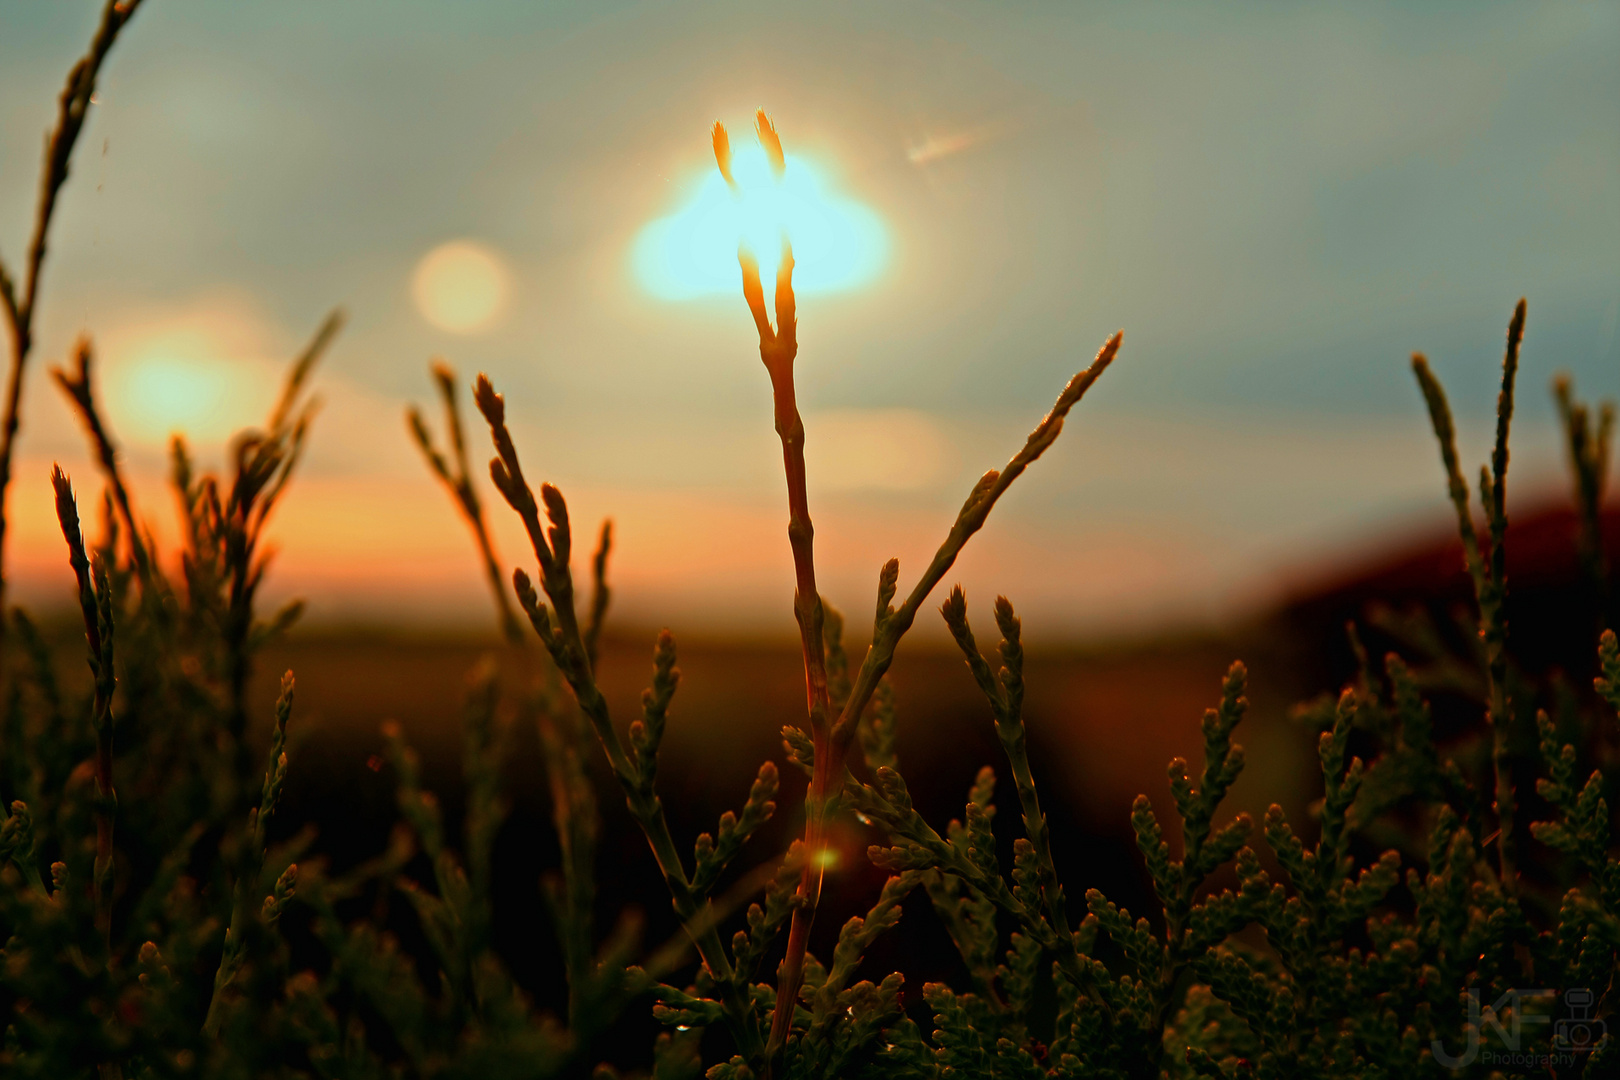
1578, 1032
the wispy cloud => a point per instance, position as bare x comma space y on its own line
934, 147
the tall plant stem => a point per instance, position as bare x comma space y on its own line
78, 384
19, 306
1587, 433
568, 647
1494, 627
96, 607
891, 624
778, 348
453, 474
831, 738
1487, 569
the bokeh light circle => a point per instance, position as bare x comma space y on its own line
461, 286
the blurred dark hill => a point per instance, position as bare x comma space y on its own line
1406, 594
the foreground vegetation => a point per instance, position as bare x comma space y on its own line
153, 928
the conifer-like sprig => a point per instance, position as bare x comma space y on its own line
632, 768
1487, 567
969, 854
1587, 440
1192, 928
1308, 928
1608, 683
1005, 692
1409, 766
454, 474
226, 559
248, 903
845, 1020
1581, 829
78, 386
778, 347
17, 844
95, 604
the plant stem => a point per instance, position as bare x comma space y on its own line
567, 647
72, 107
95, 604
1587, 440
1494, 623
1006, 697
458, 481
80, 389
778, 348
1489, 579
251, 866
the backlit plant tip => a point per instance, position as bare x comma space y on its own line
757, 199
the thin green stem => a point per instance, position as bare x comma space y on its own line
458, 481
251, 867
1489, 578
1587, 441
79, 387
566, 645
95, 604
1006, 697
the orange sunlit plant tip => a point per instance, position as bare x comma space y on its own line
771, 142
722, 152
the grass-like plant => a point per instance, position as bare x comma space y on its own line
160, 920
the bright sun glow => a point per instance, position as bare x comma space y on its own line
183, 379
177, 394
461, 286
837, 243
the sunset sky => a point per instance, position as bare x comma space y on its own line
1277, 203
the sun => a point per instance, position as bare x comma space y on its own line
201, 373
461, 286
837, 242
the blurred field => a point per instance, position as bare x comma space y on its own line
1106, 720
1102, 723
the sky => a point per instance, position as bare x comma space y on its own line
1277, 203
